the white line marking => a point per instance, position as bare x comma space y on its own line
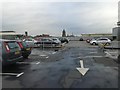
47, 57
92, 56
93, 52
110, 55
20, 74
12, 74
28, 62
38, 63
43, 55
53, 52
82, 70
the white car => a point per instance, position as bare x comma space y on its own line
56, 40
30, 41
100, 40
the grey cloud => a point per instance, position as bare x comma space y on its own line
77, 18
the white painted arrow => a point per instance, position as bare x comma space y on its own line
82, 70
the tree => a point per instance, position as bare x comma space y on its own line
63, 33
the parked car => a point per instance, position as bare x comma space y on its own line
64, 40
25, 48
81, 39
30, 41
100, 40
47, 42
56, 40
10, 52
88, 40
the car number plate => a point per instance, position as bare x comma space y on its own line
28, 49
17, 52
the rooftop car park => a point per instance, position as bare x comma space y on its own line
77, 64
84, 55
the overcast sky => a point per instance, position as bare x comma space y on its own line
52, 17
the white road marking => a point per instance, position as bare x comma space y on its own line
38, 63
82, 70
92, 56
43, 55
47, 57
28, 62
20, 74
12, 74
53, 52
93, 52
110, 55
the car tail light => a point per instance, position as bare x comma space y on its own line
21, 46
7, 47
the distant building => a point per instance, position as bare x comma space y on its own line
45, 35
7, 31
11, 35
118, 23
63, 33
97, 35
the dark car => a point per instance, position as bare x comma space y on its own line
81, 39
25, 48
10, 52
64, 40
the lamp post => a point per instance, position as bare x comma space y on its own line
118, 38
118, 35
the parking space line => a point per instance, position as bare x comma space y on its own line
38, 63
47, 57
90, 57
93, 52
43, 55
28, 62
110, 55
12, 74
53, 52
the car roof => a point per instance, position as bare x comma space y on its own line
6, 40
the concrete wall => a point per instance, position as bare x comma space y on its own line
115, 31
118, 38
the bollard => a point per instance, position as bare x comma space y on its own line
102, 46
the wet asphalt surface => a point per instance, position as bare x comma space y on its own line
56, 68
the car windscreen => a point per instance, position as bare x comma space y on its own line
102, 39
54, 39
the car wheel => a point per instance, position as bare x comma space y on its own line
93, 43
108, 43
25, 56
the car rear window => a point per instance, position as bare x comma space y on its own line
103, 39
12, 45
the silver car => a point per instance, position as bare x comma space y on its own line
100, 40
